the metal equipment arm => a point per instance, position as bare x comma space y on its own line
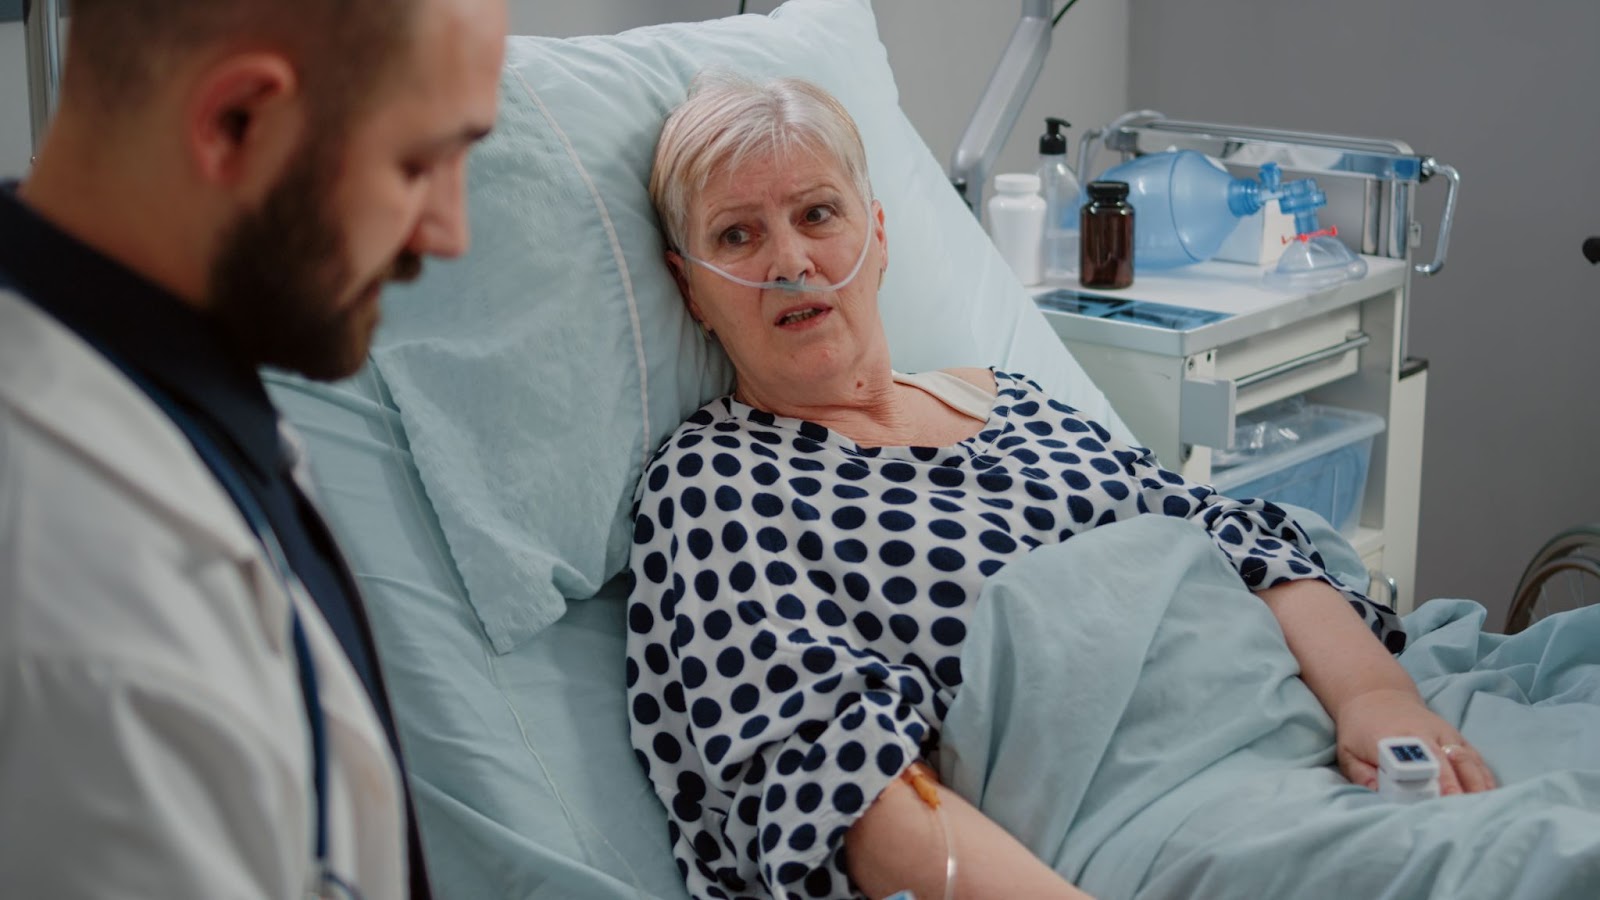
997, 110
41, 20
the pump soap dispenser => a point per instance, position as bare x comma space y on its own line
1059, 185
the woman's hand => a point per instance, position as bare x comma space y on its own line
1367, 718
1368, 694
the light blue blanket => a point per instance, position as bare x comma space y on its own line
1134, 715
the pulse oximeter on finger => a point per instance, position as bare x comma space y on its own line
1407, 770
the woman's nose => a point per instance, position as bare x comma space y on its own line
790, 256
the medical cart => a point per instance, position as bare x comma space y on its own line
1183, 352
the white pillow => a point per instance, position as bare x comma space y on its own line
535, 376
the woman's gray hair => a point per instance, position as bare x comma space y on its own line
728, 119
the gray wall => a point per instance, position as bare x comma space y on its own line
942, 52
1506, 93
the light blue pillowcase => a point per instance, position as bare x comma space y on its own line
535, 376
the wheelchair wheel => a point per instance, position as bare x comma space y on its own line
1565, 574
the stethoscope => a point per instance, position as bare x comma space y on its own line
323, 882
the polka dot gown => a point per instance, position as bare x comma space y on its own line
800, 604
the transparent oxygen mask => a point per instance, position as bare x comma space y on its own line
751, 265
1316, 258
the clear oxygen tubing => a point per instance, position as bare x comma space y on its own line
799, 286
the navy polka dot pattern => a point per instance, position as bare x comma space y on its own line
800, 604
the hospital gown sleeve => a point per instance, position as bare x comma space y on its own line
764, 742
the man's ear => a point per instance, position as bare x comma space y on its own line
244, 117
680, 275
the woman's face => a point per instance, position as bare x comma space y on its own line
780, 218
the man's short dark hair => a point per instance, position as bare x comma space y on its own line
119, 50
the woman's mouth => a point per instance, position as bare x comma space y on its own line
801, 316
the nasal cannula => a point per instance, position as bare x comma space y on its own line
796, 286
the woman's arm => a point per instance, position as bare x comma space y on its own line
898, 845
1363, 688
1260, 540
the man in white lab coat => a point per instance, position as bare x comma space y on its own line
190, 702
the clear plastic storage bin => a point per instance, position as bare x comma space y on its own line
1301, 453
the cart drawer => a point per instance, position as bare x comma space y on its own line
1292, 359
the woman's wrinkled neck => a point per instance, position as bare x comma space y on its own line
867, 405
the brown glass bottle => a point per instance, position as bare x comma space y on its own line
1106, 224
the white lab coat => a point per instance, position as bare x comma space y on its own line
153, 739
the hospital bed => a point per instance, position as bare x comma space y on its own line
479, 472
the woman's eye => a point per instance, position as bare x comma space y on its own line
416, 170
735, 237
816, 215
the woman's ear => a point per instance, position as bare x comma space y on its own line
679, 267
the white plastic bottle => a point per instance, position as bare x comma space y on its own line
1016, 224
1062, 203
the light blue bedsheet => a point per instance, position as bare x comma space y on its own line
525, 784
1133, 713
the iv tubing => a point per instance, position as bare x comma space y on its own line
794, 286
927, 789
949, 856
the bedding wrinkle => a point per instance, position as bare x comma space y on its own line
617, 255
579, 825
1237, 798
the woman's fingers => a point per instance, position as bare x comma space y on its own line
1472, 774
1461, 769
1449, 779
1358, 771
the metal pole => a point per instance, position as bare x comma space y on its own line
1001, 103
41, 20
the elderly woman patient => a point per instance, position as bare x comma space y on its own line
808, 549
